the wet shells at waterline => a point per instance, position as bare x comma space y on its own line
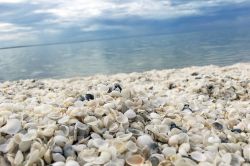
182, 117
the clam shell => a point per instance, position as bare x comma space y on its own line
18, 158
135, 160
198, 156
115, 162
130, 114
72, 163
11, 127
184, 149
124, 137
58, 157
135, 132
169, 151
120, 118
246, 152
8, 146
131, 146
34, 156
60, 140
103, 158
145, 140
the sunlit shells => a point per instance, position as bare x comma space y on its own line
182, 117
12, 126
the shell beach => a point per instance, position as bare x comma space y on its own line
181, 117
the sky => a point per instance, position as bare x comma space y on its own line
41, 21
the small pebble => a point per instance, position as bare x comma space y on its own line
217, 126
236, 130
89, 97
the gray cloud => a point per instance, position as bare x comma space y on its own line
23, 19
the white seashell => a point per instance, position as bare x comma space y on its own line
98, 143
116, 162
178, 139
11, 127
130, 114
135, 160
169, 151
72, 163
246, 152
103, 158
145, 140
79, 147
214, 139
121, 118
131, 146
58, 157
34, 156
9, 145
184, 149
124, 137
47, 156
54, 116
89, 119
18, 158
65, 130
64, 119
57, 149
120, 147
113, 128
60, 163
88, 155
198, 156
95, 136
81, 130
60, 140
154, 115
2, 121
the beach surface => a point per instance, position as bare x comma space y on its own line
188, 116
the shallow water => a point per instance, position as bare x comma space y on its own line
133, 54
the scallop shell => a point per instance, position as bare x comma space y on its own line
11, 127
135, 160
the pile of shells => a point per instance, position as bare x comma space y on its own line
182, 117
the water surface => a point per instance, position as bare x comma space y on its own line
134, 54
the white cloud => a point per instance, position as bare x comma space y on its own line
12, 1
8, 27
76, 10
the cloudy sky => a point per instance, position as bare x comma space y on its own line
41, 21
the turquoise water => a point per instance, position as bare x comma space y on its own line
133, 54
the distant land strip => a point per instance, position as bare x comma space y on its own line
81, 41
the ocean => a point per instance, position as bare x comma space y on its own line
126, 54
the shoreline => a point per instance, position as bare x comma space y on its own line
193, 115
